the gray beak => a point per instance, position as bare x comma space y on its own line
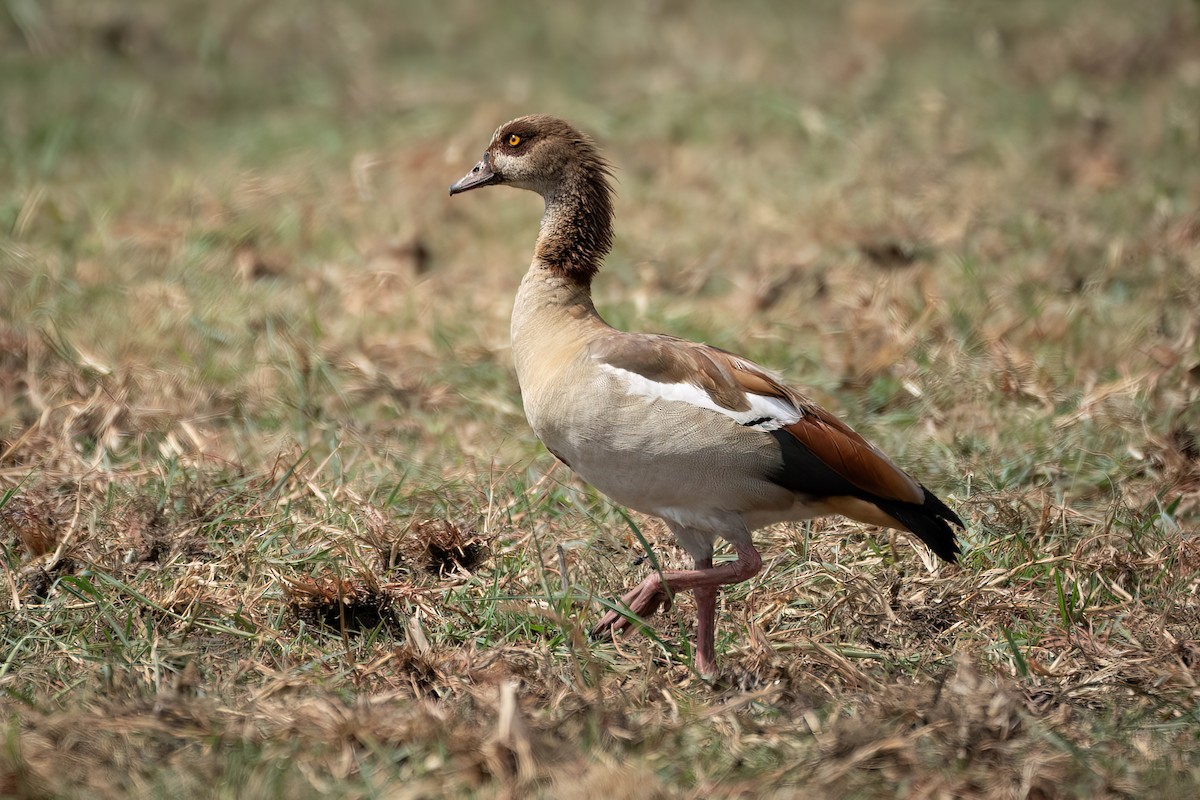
480, 175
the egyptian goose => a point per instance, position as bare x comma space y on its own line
711, 443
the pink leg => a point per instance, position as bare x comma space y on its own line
706, 625
656, 592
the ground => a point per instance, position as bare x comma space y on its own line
271, 519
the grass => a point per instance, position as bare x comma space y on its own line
273, 525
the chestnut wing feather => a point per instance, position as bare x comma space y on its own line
731, 381
838, 446
851, 456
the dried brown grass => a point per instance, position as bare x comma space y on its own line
273, 526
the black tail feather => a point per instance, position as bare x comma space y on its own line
930, 522
804, 472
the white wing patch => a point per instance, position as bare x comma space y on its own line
765, 413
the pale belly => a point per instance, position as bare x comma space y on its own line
655, 460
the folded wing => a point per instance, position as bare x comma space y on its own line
823, 459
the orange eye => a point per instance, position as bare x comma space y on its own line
513, 140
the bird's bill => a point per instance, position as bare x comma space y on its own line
480, 175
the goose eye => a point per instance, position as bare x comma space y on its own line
513, 140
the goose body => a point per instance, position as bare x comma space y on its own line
706, 440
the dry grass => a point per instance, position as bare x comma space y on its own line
272, 522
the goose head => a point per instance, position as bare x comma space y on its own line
539, 153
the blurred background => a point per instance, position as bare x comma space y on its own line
179, 178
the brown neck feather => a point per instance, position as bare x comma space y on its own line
576, 231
